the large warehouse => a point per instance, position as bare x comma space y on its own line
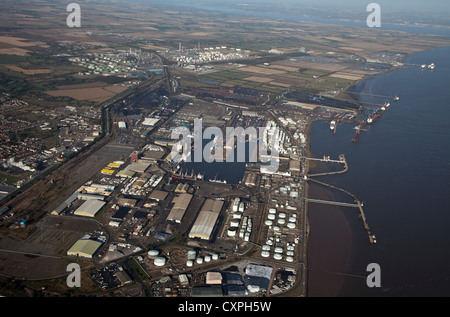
206, 220
182, 202
84, 248
89, 208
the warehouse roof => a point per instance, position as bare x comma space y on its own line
125, 173
138, 167
207, 291
158, 195
213, 278
84, 248
181, 204
89, 208
206, 220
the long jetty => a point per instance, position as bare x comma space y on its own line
341, 160
357, 204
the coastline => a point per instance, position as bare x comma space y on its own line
319, 287
317, 225
328, 240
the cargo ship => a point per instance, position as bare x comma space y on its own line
333, 126
377, 113
431, 66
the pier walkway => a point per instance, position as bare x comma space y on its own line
341, 160
357, 204
328, 202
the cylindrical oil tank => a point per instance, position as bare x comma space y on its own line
277, 256
232, 232
291, 225
278, 250
152, 253
160, 261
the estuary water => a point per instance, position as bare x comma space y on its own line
400, 168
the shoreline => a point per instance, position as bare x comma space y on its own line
308, 191
323, 191
319, 287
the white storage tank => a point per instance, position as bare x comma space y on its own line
160, 261
265, 254
232, 232
271, 216
234, 223
192, 254
289, 259
207, 258
282, 215
272, 211
215, 256
189, 263
291, 225
266, 247
268, 222
152, 254
277, 256
281, 221
199, 260
278, 250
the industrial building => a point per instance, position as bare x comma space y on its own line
120, 213
89, 197
152, 156
206, 220
250, 179
182, 202
182, 188
138, 167
207, 291
294, 166
150, 122
123, 277
84, 248
89, 208
125, 174
158, 195
213, 278
257, 277
58, 210
126, 202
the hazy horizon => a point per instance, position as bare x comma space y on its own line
413, 11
